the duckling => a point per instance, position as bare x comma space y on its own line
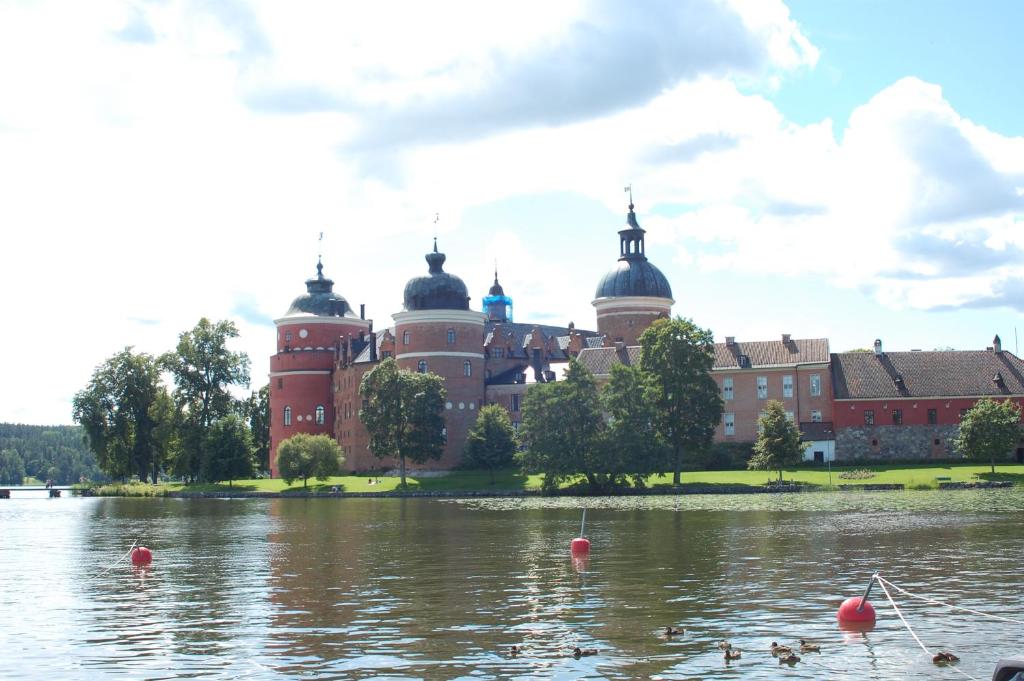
670, 631
808, 647
724, 645
780, 650
942, 657
789, 659
731, 654
514, 651
578, 652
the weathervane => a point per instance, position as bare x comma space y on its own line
320, 247
629, 188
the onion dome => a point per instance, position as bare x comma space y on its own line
633, 274
320, 299
438, 290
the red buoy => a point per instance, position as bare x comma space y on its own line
849, 612
580, 546
141, 556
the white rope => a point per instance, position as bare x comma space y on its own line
114, 564
948, 605
881, 583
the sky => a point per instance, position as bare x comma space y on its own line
849, 170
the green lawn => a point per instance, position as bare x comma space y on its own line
913, 477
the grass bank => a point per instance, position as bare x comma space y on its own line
912, 477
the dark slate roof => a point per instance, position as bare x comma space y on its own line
521, 335
320, 299
817, 430
772, 353
595, 341
601, 360
438, 290
950, 373
633, 278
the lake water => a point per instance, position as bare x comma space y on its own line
438, 589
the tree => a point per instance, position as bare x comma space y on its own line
778, 441
632, 444
403, 413
256, 410
562, 428
989, 430
679, 355
203, 369
114, 410
491, 441
304, 456
12, 468
228, 454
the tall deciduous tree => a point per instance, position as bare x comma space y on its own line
634, 447
679, 357
778, 440
989, 430
228, 454
204, 370
256, 410
114, 409
562, 429
304, 456
403, 413
491, 441
12, 468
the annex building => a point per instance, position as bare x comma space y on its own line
856, 405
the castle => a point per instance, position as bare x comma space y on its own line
856, 405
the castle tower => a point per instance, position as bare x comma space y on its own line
634, 292
300, 372
438, 333
497, 306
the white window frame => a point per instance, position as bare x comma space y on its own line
728, 389
467, 368
762, 387
787, 386
815, 385
320, 415
729, 423
815, 416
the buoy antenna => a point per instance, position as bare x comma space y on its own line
584, 523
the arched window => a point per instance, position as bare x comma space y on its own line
422, 366
405, 338
320, 414
451, 337
287, 416
467, 368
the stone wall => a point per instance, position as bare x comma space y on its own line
886, 443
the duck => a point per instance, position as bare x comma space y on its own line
942, 657
671, 631
578, 652
780, 650
724, 645
514, 651
808, 647
732, 654
789, 659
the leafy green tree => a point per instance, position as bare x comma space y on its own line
228, 454
778, 441
42, 448
305, 456
632, 444
491, 442
679, 356
403, 413
562, 429
114, 410
256, 410
12, 468
989, 430
204, 369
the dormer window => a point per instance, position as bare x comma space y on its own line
743, 361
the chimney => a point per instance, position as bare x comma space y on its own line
878, 347
362, 310
620, 346
373, 347
538, 366
997, 345
730, 341
785, 339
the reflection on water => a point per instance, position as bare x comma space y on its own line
440, 589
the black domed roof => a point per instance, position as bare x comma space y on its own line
320, 299
496, 289
438, 290
633, 274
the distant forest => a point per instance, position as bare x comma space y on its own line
57, 453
